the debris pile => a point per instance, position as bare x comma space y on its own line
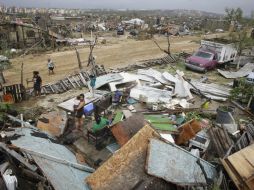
143, 128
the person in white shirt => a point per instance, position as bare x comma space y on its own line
51, 67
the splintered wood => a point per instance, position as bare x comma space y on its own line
126, 168
240, 168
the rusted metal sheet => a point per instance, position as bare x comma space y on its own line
53, 123
123, 131
176, 165
126, 168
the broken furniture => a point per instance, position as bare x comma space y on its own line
240, 168
98, 136
189, 130
200, 141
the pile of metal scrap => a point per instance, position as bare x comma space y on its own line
31, 159
213, 91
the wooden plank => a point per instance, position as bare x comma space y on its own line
82, 79
188, 131
73, 77
215, 142
18, 157
231, 173
239, 162
72, 84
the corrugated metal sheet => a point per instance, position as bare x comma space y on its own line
244, 71
61, 176
176, 165
152, 95
127, 78
170, 77
105, 79
214, 91
153, 73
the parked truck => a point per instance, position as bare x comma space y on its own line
210, 54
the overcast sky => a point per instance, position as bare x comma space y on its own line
217, 6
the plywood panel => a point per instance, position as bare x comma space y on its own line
126, 168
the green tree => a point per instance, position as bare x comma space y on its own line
235, 15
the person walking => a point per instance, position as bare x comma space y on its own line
37, 83
51, 66
92, 84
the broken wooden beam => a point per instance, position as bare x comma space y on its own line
18, 157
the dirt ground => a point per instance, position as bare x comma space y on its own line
118, 52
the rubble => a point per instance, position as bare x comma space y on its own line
164, 127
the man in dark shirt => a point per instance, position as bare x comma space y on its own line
37, 83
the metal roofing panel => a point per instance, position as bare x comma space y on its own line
105, 79
152, 95
153, 73
176, 165
61, 176
244, 71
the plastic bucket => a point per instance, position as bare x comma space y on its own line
224, 115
